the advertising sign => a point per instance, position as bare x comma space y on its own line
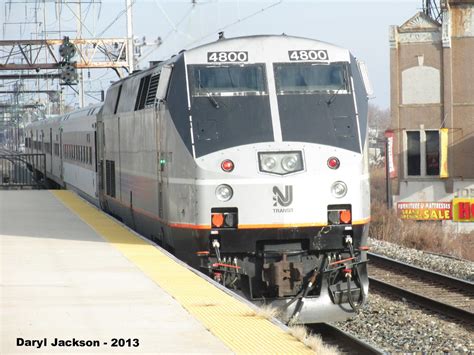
463, 209
425, 211
389, 154
443, 149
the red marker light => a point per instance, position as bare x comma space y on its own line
217, 220
345, 216
227, 165
333, 163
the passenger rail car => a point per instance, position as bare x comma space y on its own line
69, 143
247, 158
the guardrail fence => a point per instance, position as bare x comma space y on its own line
22, 170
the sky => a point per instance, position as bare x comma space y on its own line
360, 26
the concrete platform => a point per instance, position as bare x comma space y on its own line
68, 271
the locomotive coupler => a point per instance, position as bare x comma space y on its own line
283, 276
300, 297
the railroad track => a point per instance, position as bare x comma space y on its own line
443, 294
345, 342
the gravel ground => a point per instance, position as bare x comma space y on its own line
396, 326
462, 269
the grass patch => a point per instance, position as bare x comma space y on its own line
422, 235
314, 342
265, 312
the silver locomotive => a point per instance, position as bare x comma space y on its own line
246, 157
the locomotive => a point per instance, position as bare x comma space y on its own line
245, 157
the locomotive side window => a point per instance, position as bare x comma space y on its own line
310, 77
228, 79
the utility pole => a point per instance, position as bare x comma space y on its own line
79, 36
388, 162
131, 64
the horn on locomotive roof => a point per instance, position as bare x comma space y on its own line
221, 35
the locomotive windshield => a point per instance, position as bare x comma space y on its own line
310, 77
316, 104
229, 106
226, 79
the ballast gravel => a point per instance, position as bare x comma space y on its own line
462, 269
395, 326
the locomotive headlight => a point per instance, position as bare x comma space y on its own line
269, 163
289, 163
280, 163
224, 192
339, 189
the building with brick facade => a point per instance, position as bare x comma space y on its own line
432, 115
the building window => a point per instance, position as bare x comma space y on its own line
413, 153
422, 153
432, 153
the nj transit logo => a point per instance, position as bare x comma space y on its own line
282, 199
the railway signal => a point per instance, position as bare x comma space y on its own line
67, 67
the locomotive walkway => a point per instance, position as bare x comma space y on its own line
73, 280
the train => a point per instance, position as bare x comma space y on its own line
245, 157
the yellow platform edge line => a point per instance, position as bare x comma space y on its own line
233, 322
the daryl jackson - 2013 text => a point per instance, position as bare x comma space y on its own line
40, 343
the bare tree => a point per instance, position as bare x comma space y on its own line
379, 121
379, 118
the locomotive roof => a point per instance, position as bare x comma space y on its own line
261, 48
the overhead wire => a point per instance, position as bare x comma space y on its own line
235, 22
213, 32
168, 34
191, 10
120, 14
168, 19
79, 18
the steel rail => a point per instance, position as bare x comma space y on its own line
461, 286
447, 280
346, 343
443, 308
